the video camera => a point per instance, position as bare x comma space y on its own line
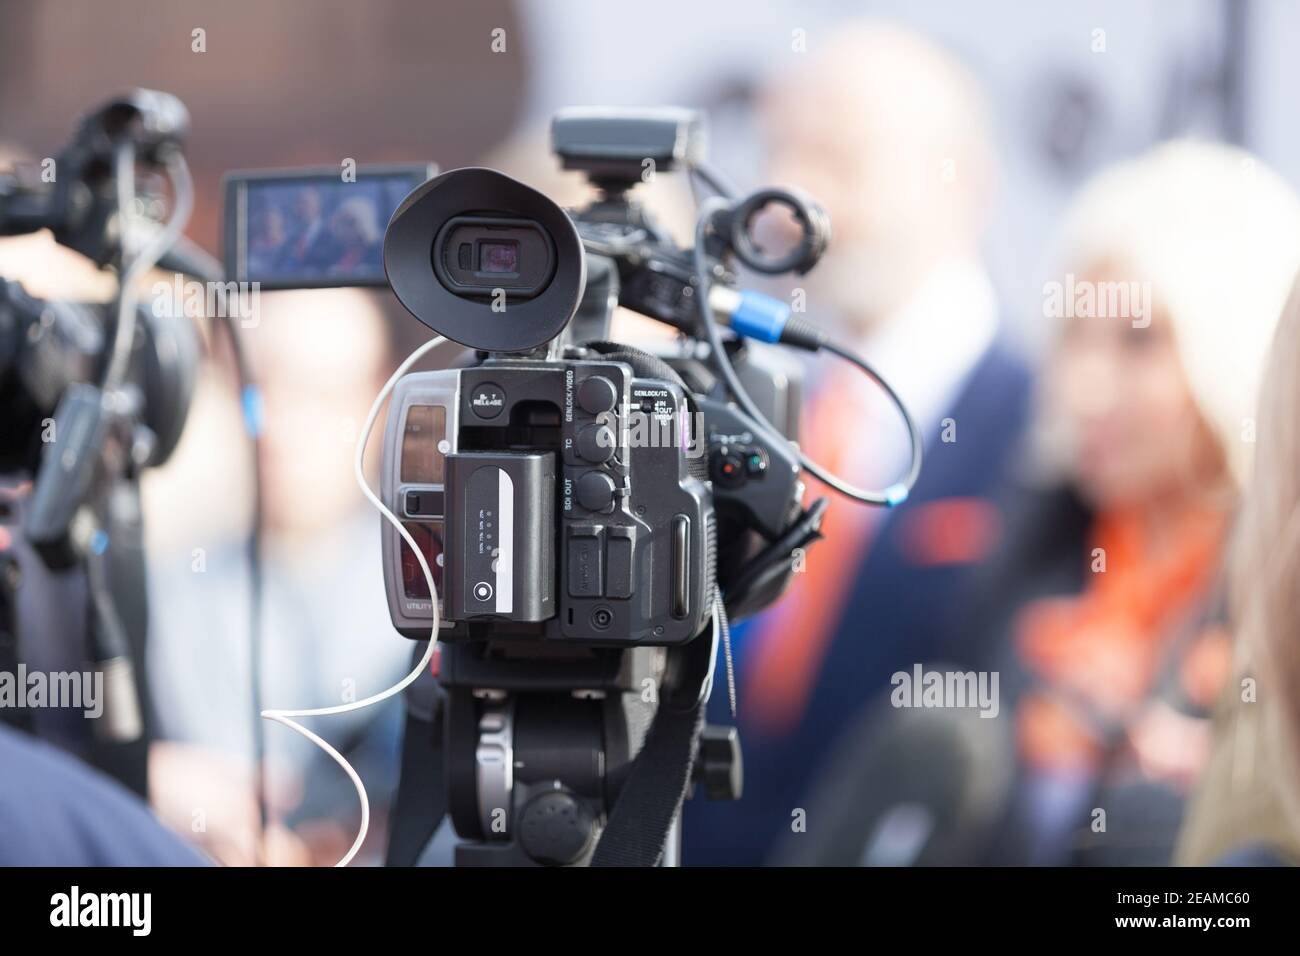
556, 486
92, 395
568, 516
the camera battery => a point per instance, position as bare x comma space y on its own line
500, 536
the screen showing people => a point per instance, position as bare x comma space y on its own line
320, 229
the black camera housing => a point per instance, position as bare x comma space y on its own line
569, 492
557, 522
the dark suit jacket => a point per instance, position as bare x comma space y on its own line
900, 612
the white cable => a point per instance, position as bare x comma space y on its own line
284, 716
706, 689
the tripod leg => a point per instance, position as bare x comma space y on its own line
421, 801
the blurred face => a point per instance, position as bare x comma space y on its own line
346, 228
837, 157
1136, 435
320, 359
840, 163
273, 227
307, 205
868, 155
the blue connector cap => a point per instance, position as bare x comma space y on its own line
758, 316
895, 495
252, 402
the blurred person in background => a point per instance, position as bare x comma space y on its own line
1102, 614
1246, 809
320, 357
266, 247
890, 133
308, 243
358, 237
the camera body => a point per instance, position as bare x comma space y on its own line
569, 499
590, 513
48, 346
561, 490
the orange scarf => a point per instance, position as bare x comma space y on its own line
1103, 647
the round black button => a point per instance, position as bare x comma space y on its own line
487, 400
596, 443
595, 491
597, 395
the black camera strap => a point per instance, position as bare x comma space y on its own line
421, 800
652, 794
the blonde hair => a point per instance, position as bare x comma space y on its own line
1266, 560
1216, 235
